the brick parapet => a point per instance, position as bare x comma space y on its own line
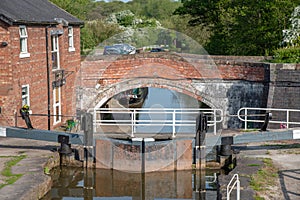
168, 66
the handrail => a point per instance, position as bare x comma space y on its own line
167, 117
285, 112
230, 187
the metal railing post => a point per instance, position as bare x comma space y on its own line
132, 124
174, 123
134, 121
95, 119
246, 114
238, 189
215, 122
287, 118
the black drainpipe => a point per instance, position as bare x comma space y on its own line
48, 77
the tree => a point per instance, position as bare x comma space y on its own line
199, 33
290, 53
160, 10
259, 25
145, 13
291, 37
78, 8
102, 9
95, 32
240, 27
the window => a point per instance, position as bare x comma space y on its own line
23, 42
25, 95
57, 105
55, 52
71, 39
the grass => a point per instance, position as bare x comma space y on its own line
259, 198
10, 178
254, 165
47, 170
284, 146
264, 179
249, 130
292, 151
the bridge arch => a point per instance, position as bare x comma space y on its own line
185, 88
227, 85
160, 70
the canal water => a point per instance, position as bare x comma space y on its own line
160, 98
99, 184
163, 98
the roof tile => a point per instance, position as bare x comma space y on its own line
34, 12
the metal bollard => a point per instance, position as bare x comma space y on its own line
268, 116
226, 143
65, 147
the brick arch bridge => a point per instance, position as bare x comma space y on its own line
219, 82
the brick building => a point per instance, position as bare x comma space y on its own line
39, 57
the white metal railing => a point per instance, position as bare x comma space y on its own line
247, 114
160, 117
234, 182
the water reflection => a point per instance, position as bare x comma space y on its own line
163, 98
159, 98
75, 183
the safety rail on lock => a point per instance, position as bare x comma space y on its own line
248, 112
215, 117
234, 182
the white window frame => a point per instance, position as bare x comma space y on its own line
57, 119
55, 49
26, 96
23, 42
71, 38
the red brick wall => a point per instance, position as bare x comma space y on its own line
33, 71
167, 66
6, 74
5, 54
70, 62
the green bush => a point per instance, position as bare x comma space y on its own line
126, 20
287, 55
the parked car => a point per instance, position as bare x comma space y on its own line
157, 50
125, 48
118, 49
110, 50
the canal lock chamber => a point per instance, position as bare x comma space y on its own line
138, 169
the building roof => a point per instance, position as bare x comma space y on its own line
25, 12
